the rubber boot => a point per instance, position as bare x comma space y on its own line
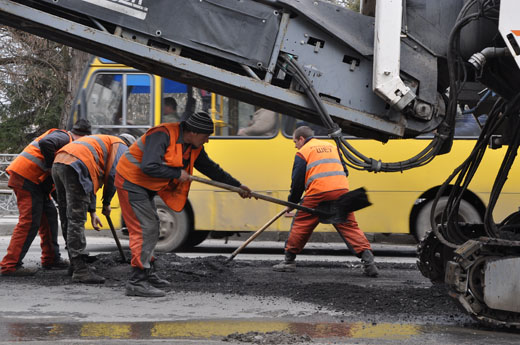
154, 279
138, 285
369, 266
288, 265
82, 274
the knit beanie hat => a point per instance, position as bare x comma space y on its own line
82, 127
199, 122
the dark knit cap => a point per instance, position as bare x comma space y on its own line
199, 122
82, 127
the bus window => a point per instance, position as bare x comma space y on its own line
138, 110
120, 101
289, 124
262, 123
229, 115
105, 100
174, 98
466, 125
239, 119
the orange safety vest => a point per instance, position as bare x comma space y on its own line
324, 169
173, 193
30, 163
97, 153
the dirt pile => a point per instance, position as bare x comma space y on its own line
269, 338
399, 294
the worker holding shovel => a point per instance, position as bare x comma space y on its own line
160, 163
319, 172
80, 169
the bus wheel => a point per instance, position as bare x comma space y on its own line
174, 228
467, 214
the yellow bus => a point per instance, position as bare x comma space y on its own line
121, 99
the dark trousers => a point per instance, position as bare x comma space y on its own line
73, 208
37, 214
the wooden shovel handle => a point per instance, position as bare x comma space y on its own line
253, 194
113, 230
255, 235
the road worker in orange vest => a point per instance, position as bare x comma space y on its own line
80, 169
319, 172
29, 177
160, 162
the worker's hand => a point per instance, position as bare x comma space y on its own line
184, 176
96, 222
106, 210
245, 192
288, 209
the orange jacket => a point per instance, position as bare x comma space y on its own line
97, 152
30, 163
324, 169
171, 191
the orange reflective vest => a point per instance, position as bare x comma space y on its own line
30, 163
97, 152
324, 169
171, 191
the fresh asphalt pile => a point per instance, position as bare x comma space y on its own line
399, 294
270, 338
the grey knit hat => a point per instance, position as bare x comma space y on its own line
82, 127
129, 139
199, 122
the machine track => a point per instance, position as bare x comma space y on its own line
482, 273
468, 284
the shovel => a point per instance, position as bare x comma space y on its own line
255, 235
329, 212
111, 225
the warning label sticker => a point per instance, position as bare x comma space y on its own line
132, 8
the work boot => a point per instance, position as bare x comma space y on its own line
81, 273
288, 265
369, 266
20, 271
154, 279
138, 285
89, 258
60, 264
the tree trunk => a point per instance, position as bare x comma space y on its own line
78, 61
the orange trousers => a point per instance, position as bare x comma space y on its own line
141, 219
37, 214
304, 224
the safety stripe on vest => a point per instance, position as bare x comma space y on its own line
104, 148
321, 161
93, 150
36, 144
140, 144
39, 162
324, 174
132, 159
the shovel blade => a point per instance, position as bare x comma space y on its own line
336, 211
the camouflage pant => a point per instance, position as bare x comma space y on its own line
73, 207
